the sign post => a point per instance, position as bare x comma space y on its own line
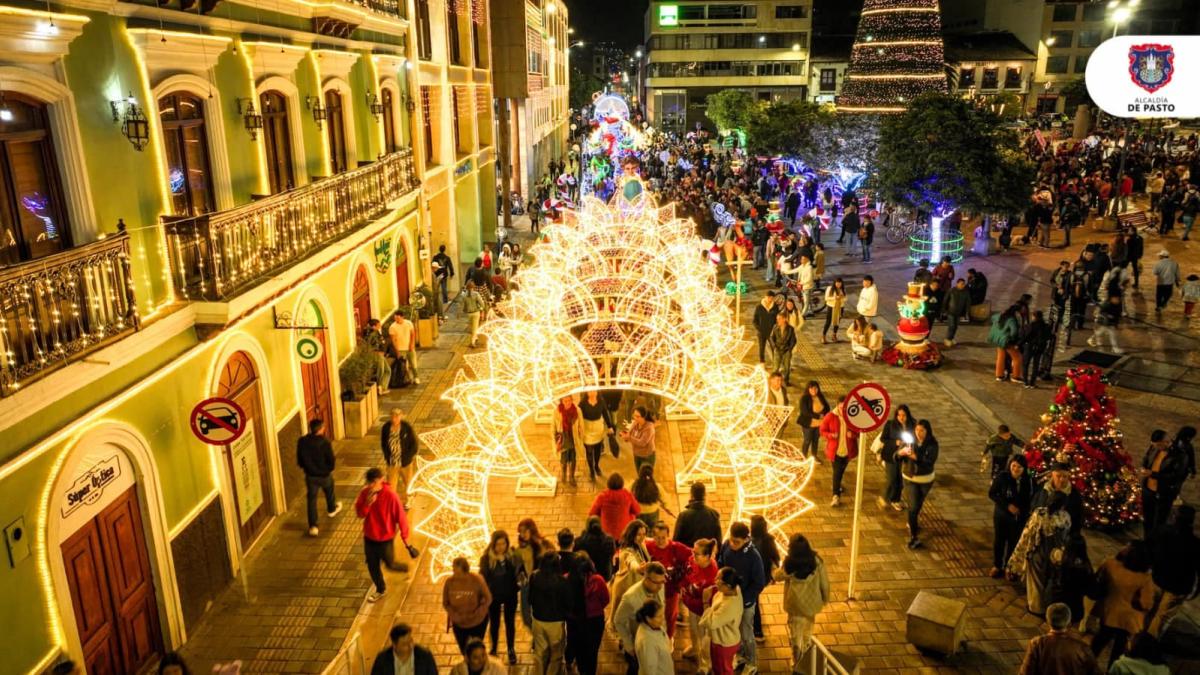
866, 409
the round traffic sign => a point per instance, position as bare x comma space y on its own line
218, 421
867, 407
309, 349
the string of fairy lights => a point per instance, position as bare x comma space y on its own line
618, 298
897, 56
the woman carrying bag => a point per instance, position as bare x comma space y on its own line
918, 458
597, 426
805, 592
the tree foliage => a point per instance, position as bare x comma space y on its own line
730, 109
582, 86
1076, 94
946, 152
789, 128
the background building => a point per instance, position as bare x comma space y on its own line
694, 49
212, 203
531, 85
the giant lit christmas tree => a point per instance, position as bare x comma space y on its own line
897, 56
1081, 429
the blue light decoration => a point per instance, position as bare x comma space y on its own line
613, 139
175, 180
37, 204
936, 241
839, 181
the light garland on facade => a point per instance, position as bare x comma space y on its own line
904, 62
628, 280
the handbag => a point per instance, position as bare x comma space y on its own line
614, 446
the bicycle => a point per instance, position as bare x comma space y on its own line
816, 296
902, 231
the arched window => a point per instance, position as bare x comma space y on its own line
32, 212
189, 177
278, 138
335, 127
390, 143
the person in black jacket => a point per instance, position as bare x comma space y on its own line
551, 600
892, 439
1164, 469
813, 408
599, 546
404, 652
697, 520
504, 573
764, 322
398, 442
866, 236
1012, 493
1035, 338
918, 459
1174, 555
977, 286
314, 455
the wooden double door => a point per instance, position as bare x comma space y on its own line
112, 591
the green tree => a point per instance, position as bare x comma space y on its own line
582, 86
1076, 94
790, 128
730, 109
945, 151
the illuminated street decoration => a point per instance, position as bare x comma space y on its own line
897, 56
617, 299
936, 242
613, 140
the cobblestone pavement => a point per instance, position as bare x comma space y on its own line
299, 599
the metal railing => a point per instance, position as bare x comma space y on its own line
57, 309
350, 660
821, 661
219, 255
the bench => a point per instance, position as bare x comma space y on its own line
935, 623
1134, 219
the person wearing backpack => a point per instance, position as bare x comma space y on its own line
805, 592
1003, 336
472, 306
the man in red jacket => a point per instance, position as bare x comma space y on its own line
383, 517
615, 506
841, 445
675, 557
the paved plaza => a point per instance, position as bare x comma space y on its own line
299, 600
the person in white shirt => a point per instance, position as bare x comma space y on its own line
403, 336
722, 621
868, 298
652, 645
477, 662
805, 275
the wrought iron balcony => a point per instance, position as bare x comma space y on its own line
220, 255
57, 309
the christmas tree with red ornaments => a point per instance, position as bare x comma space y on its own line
1080, 429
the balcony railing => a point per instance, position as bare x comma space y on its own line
219, 255
57, 309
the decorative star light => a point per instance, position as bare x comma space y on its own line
619, 297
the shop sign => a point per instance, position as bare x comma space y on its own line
89, 487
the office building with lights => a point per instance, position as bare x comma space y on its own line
205, 201
531, 47
694, 49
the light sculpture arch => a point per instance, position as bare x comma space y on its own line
619, 297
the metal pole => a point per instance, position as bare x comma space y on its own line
858, 498
1120, 177
505, 152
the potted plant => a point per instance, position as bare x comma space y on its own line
355, 375
424, 303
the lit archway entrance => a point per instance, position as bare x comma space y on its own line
403, 292
246, 458
314, 376
618, 298
360, 299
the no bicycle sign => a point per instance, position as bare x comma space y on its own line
867, 407
218, 421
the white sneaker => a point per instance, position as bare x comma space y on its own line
336, 510
312, 531
836, 501
417, 381
374, 596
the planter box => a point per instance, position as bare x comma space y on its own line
372, 400
357, 416
426, 332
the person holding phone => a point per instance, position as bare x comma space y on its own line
917, 457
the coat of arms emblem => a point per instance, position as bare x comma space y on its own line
1151, 66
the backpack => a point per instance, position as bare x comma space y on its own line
802, 597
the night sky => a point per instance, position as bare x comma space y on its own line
619, 21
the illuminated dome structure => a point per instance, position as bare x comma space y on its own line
629, 281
